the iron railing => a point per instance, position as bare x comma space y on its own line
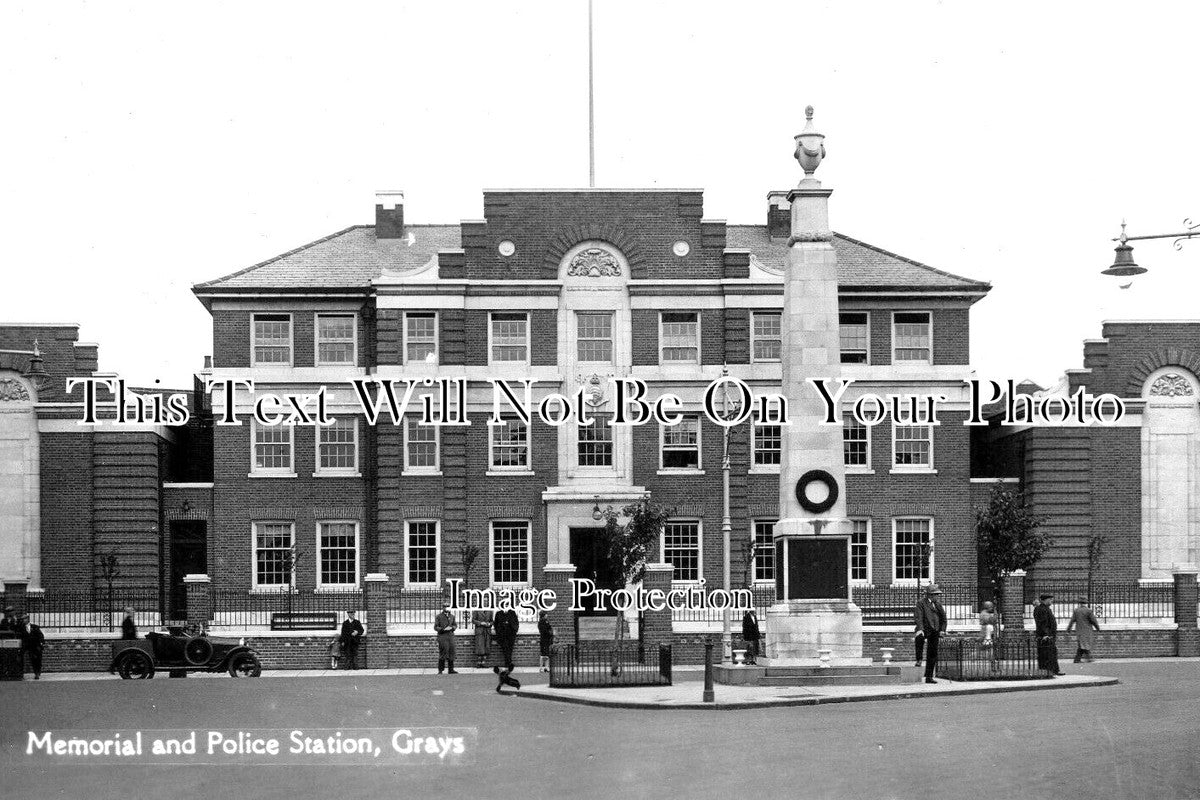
600, 664
84, 609
1009, 656
1109, 600
242, 608
894, 605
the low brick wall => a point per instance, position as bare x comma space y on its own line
1131, 643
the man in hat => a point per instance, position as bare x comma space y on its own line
1046, 630
506, 625
931, 621
445, 625
34, 642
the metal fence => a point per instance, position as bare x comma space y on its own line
84, 609
241, 608
599, 664
1109, 600
893, 605
1010, 656
419, 607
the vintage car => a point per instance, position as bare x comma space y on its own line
183, 650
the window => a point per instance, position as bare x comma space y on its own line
860, 551
595, 337
272, 449
420, 446
272, 339
912, 446
420, 337
510, 445
912, 548
681, 444
337, 554
854, 332
273, 554
681, 549
596, 443
764, 550
335, 339
510, 337
768, 445
337, 447
422, 554
680, 337
510, 552
856, 443
911, 337
766, 336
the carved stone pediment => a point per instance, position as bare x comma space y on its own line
1171, 384
13, 391
594, 262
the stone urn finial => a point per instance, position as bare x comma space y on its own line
810, 145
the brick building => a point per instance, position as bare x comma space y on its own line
569, 289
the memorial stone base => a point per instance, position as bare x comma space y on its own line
797, 630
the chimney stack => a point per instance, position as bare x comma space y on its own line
389, 214
779, 215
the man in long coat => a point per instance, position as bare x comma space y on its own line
751, 635
1083, 622
930, 619
351, 635
444, 625
506, 625
1046, 630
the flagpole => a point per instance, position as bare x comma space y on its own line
591, 110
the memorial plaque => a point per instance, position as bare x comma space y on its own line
818, 569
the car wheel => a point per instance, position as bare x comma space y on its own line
245, 665
198, 651
137, 666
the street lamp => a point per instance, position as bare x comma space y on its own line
1124, 266
731, 408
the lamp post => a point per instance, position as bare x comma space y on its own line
1124, 266
730, 409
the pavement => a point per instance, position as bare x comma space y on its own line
687, 694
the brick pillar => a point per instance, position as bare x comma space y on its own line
556, 577
16, 595
1012, 603
374, 650
199, 599
1187, 638
657, 623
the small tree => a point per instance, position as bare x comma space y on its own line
467, 555
291, 559
1009, 535
110, 569
628, 537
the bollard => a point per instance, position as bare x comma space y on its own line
708, 670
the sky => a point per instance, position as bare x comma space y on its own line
151, 146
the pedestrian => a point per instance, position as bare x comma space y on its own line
483, 637
352, 631
989, 623
1046, 630
545, 641
445, 625
751, 635
1083, 622
931, 621
129, 624
506, 626
34, 642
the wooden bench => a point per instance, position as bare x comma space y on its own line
304, 621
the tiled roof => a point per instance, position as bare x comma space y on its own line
347, 259
352, 258
860, 266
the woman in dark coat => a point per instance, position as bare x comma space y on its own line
545, 640
751, 635
483, 637
1083, 622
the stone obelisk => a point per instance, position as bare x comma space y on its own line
812, 612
